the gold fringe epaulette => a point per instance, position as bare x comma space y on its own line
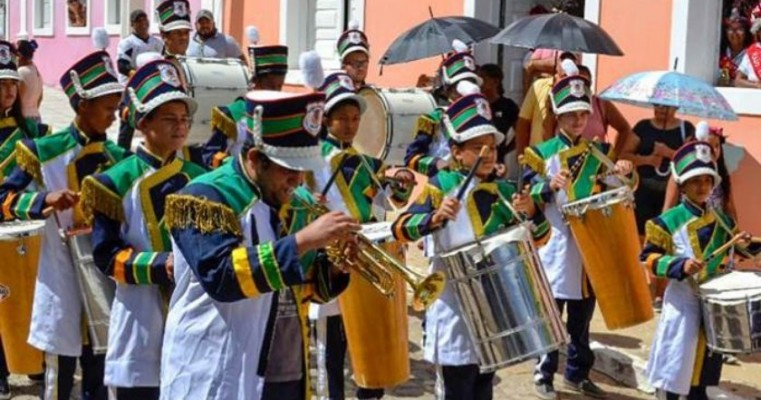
425, 125
658, 236
28, 162
184, 211
532, 160
223, 123
96, 197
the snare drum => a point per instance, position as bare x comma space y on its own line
212, 82
605, 231
505, 298
388, 124
97, 290
731, 307
20, 248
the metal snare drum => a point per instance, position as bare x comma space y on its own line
388, 124
731, 306
505, 299
97, 289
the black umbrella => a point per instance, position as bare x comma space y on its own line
435, 36
559, 32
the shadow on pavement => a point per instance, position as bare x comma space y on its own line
615, 340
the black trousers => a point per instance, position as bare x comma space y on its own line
292, 390
3, 365
59, 375
137, 393
466, 382
580, 356
335, 355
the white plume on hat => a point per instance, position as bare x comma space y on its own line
100, 38
310, 64
354, 25
466, 88
701, 131
145, 58
252, 33
569, 67
459, 46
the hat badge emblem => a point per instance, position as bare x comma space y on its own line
355, 37
169, 75
703, 153
180, 9
577, 88
483, 109
313, 118
108, 66
5, 54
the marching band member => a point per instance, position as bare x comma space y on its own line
357, 191
480, 213
245, 267
562, 170
269, 65
429, 151
174, 24
130, 241
57, 164
139, 41
13, 126
354, 52
679, 245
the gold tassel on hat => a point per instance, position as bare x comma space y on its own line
96, 197
28, 162
183, 211
221, 121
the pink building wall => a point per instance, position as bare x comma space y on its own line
59, 51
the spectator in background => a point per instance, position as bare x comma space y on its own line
651, 148
138, 42
211, 43
504, 115
529, 129
750, 66
736, 39
30, 89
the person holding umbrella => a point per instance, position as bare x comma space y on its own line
429, 152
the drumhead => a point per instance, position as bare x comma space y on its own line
212, 82
18, 229
518, 233
373, 131
607, 198
733, 286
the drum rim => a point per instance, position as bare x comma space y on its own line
593, 202
479, 242
39, 227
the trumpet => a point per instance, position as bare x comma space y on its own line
377, 266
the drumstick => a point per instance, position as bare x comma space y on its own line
520, 172
469, 178
723, 248
47, 211
333, 177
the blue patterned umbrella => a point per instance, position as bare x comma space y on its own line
668, 88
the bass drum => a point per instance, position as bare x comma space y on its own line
212, 82
388, 125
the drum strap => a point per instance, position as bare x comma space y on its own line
607, 162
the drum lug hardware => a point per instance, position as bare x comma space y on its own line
21, 249
607, 212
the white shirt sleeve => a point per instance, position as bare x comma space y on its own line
746, 68
233, 49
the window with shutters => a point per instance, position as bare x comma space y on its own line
316, 25
42, 18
